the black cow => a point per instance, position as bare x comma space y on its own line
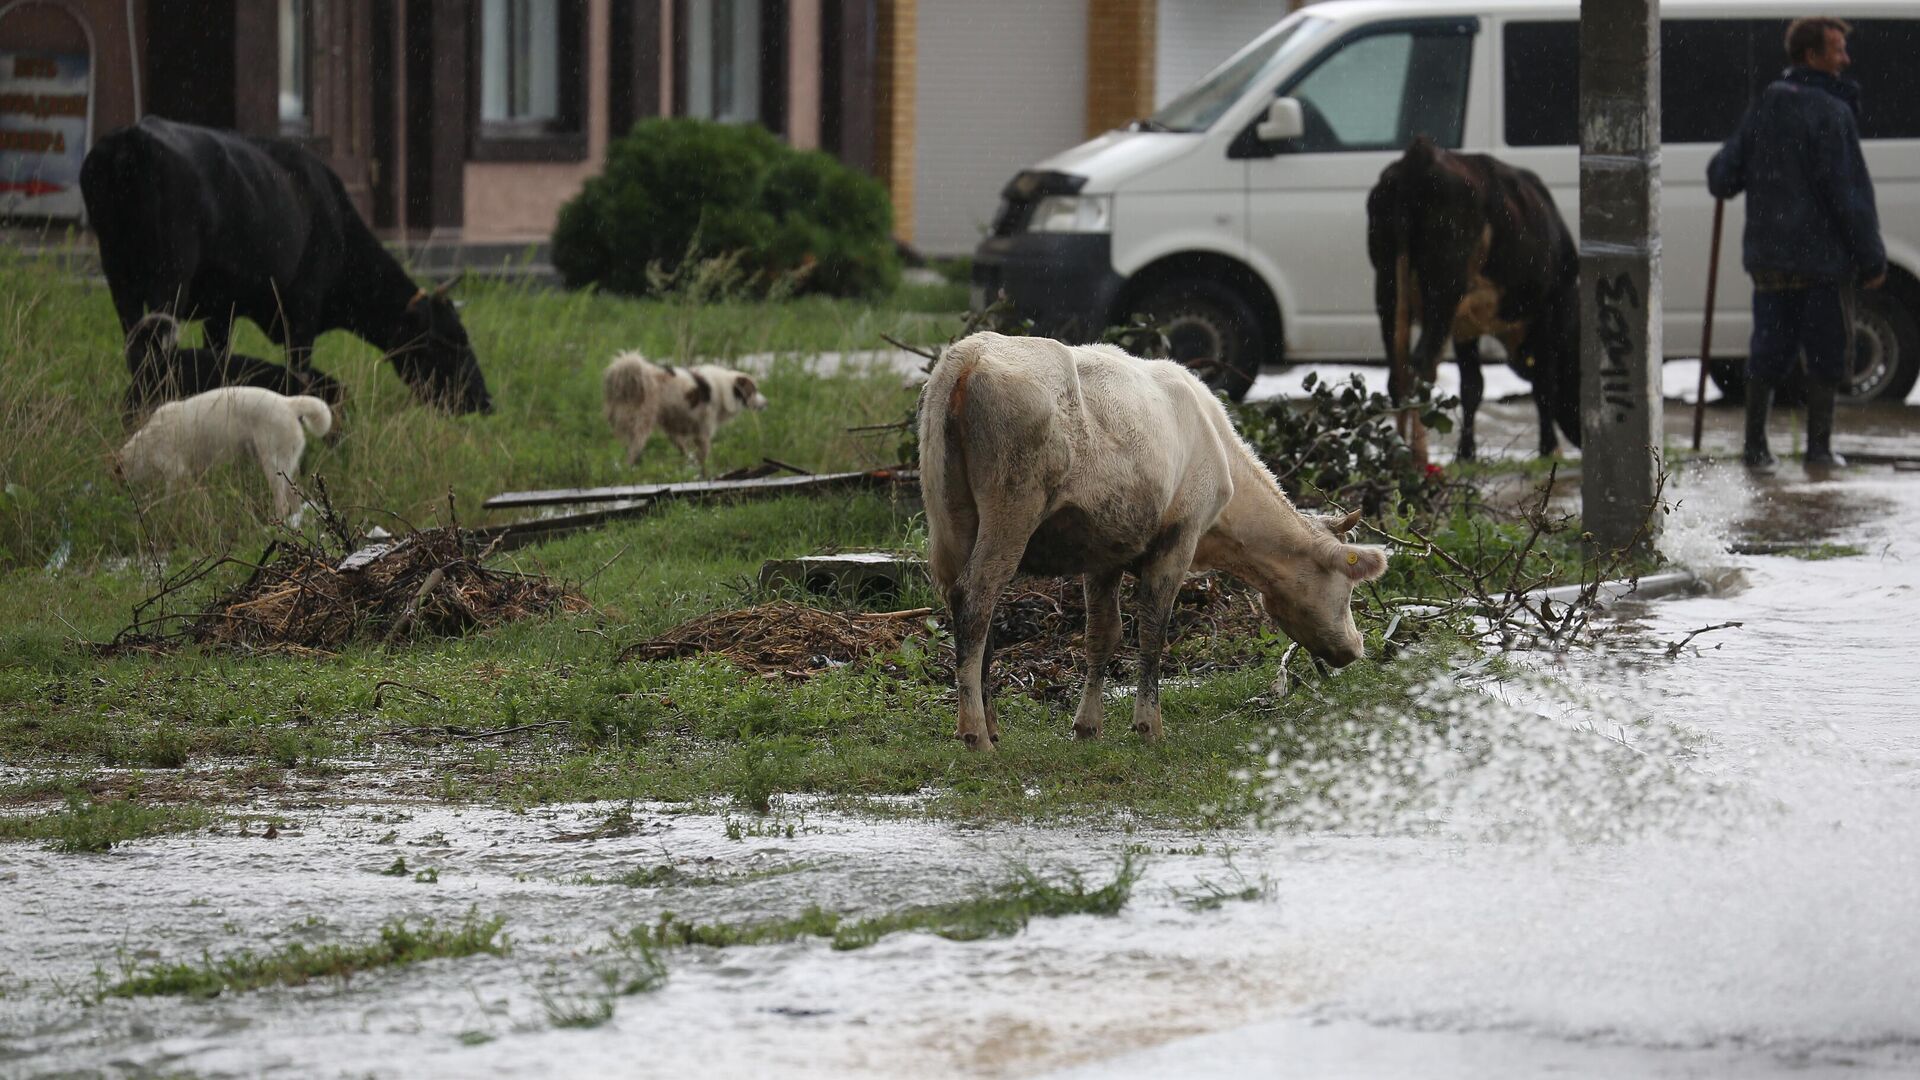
1475, 237
162, 371
215, 225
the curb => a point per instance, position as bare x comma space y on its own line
1649, 587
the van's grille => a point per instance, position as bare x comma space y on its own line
1024, 192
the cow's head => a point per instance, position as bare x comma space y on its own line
431, 351
1309, 591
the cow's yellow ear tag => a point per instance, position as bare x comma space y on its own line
1353, 558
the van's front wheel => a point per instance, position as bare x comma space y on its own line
1211, 330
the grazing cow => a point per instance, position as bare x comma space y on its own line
210, 224
1468, 235
183, 439
1049, 459
162, 371
688, 403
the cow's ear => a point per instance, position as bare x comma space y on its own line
1362, 562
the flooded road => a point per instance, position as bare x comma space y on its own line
1629, 864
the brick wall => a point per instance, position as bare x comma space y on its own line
894, 117
1120, 62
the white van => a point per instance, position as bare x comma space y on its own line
1253, 252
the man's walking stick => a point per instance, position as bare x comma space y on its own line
1706, 331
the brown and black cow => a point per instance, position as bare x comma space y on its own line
1470, 235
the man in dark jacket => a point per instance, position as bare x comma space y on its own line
1812, 231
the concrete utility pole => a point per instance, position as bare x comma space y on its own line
1620, 349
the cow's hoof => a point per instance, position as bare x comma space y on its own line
1085, 732
1147, 732
975, 742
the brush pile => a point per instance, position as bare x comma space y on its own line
1037, 633
301, 596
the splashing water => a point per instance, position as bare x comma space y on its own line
1634, 851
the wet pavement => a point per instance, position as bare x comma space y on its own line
1624, 864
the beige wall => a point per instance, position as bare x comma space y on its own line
518, 201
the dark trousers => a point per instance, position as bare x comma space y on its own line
1813, 320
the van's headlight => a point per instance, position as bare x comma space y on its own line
1073, 214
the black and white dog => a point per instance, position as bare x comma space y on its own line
688, 403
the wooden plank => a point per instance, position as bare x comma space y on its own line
518, 534
766, 485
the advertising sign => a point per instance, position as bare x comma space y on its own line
43, 133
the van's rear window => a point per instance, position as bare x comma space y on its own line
1710, 70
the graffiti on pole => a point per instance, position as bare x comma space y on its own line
1610, 294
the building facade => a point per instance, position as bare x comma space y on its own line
475, 121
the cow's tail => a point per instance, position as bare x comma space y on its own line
154, 337
315, 415
946, 486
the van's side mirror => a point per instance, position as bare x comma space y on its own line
1284, 121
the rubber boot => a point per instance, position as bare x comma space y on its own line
1759, 400
1820, 428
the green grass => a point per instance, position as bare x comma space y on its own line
996, 912
221, 726
62, 374
85, 825
399, 944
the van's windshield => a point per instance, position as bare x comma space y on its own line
1202, 103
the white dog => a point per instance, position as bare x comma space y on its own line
689, 404
183, 439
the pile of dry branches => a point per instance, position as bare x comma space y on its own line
310, 595
1037, 633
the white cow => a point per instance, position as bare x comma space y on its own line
1047, 459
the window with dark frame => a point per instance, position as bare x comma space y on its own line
730, 61
529, 80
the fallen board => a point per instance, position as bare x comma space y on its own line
517, 534
766, 485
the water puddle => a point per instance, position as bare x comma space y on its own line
1628, 864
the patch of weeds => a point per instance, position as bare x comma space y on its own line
475, 1038
577, 1012
1207, 894
429, 876
165, 747
398, 867
761, 828
997, 912
657, 876
638, 969
89, 825
1822, 552
296, 964
766, 766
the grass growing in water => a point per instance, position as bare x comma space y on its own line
296, 964
997, 912
88, 825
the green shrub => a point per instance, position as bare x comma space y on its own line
680, 188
